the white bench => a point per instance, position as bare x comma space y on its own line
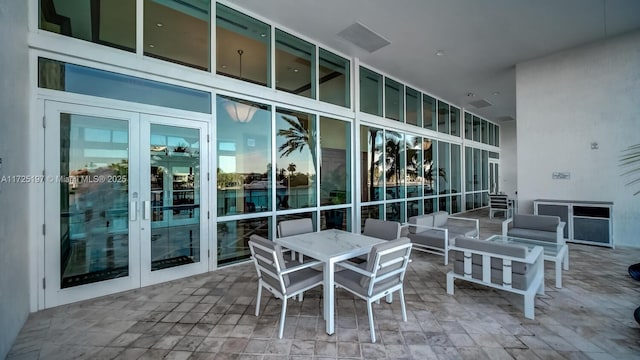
506, 267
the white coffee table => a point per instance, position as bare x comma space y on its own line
558, 253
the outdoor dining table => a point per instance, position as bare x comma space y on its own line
330, 247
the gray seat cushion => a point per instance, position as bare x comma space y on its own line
433, 238
295, 227
302, 279
421, 220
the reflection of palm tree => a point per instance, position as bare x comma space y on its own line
392, 161
297, 138
373, 132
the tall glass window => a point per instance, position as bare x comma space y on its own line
372, 163
177, 31
414, 108
468, 126
430, 161
455, 121
110, 23
370, 92
394, 165
334, 79
295, 65
497, 135
335, 174
394, 100
456, 169
243, 46
414, 166
468, 169
485, 132
233, 238
444, 168
429, 112
443, 117
244, 157
296, 160
476, 129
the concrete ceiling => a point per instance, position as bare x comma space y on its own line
482, 40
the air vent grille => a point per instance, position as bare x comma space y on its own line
363, 37
479, 104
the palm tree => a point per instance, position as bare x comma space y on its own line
298, 137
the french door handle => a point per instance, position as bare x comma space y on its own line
146, 210
133, 211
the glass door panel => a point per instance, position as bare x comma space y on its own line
174, 229
88, 194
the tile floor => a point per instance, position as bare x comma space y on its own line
211, 316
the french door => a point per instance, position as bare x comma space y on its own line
125, 201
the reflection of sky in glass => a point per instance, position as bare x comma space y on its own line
97, 142
243, 148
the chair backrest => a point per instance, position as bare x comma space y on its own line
386, 230
388, 262
269, 262
294, 227
498, 201
536, 222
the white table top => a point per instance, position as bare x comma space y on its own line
330, 244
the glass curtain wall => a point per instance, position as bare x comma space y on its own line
110, 23
295, 65
296, 159
334, 79
243, 46
394, 100
177, 31
370, 92
414, 108
244, 179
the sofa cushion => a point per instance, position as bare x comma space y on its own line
533, 234
433, 238
440, 218
422, 220
536, 222
381, 229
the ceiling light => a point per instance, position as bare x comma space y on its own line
440, 53
295, 70
263, 35
470, 94
224, 66
159, 24
151, 46
496, 93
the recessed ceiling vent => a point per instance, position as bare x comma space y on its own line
363, 37
479, 104
506, 118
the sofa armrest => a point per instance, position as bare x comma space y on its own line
560, 232
446, 231
475, 221
505, 226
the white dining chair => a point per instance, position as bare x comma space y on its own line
380, 276
283, 280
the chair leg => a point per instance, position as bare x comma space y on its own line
282, 315
258, 299
402, 305
371, 327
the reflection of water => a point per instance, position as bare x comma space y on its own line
232, 201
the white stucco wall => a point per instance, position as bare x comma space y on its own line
565, 102
508, 159
14, 214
